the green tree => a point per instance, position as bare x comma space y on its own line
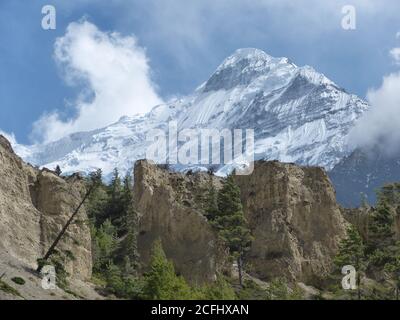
211, 201
352, 252
383, 249
115, 186
130, 248
122, 285
116, 205
380, 235
105, 245
58, 170
97, 204
127, 190
219, 290
231, 223
161, 282
393, 268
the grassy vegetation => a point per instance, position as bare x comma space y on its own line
8, 289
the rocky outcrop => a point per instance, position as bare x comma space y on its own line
295, 220
292, 212
170, 207
34, 206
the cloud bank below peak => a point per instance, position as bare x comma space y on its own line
114, 77
379, 128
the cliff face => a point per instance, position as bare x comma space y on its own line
34, 206
170, 209
292, 211
295, 220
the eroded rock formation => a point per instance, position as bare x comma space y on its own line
292, 211
170, 208
295, 220
34, 206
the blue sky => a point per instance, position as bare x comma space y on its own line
183, 42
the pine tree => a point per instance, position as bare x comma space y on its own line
105, 245
352, 252
58, 170
115, 186
393, 267
96, 176
116, 204
161, 282
211, 201
380, 234
231, 223
218, 290
390, 194
127, 191
383, 249
130, 243
98, 200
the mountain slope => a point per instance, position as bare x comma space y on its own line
298, 115
361, 174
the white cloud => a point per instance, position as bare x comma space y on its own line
113, 68
395, 54
380, 126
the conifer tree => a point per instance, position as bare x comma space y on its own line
380, 234
231, 223
115, 186
383, 249
218, 290
393, 268
211, 201
116, 205
105, 245
127, 191
58, 170
352, 252
161, 282
130, 243
98, 200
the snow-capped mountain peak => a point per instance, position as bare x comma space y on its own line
297, 114
250, 56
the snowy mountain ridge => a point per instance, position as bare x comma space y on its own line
297, 114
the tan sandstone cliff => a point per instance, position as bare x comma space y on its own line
292, 212
170, 209
34, 205
295, 220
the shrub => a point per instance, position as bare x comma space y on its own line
18, 280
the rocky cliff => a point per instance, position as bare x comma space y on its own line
170, 207
292, 211
296, 222
34, 205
